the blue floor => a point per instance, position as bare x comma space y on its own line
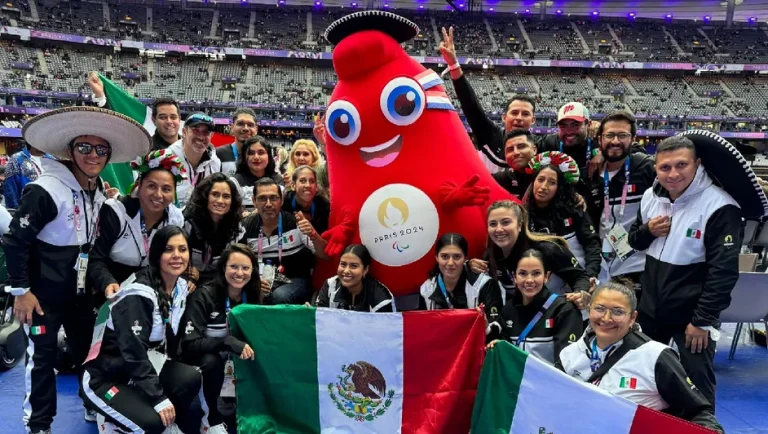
742, 394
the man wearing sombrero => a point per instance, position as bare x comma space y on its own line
690, 223
51, 236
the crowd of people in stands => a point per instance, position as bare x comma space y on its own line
575, 274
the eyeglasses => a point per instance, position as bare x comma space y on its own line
244, 268
86, 148
265, 199
616, 312
621, 136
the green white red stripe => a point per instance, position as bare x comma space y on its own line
111, 392
693, 233
98, 331
628, 383
523, 395
37, 330
328, 370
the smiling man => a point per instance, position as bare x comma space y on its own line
50, 239
691, 229
244, 126
197, 154
519, 149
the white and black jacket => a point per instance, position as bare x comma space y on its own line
643, 371
135, 325
43, 244
690, 273
471, 291
119, 249
208, 165
375, 297
228, 157
642, 174
579, 233
205, 325
205, 248
298, 250
559, 326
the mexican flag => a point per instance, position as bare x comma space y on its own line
328, 370
523, 395
120, 175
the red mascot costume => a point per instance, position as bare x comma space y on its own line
402, 168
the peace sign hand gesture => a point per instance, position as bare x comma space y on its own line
447, 49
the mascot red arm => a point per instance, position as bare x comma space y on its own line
402, 168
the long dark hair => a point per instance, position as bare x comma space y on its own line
563, 204
251, 290
196, 212
156, 250
524, 239
449, 239
242, 158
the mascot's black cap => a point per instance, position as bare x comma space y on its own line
401, 29
729, 169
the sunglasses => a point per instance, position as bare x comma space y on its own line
86, 148
201, 118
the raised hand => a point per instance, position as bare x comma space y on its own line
447, 49
469, 194
94, 82
340, 235
304, 225
319, 129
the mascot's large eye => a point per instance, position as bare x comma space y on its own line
402, 101
342, 121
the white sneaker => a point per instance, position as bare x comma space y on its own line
216, 429
90, 416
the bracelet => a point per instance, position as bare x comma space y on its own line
454, 67
314, 236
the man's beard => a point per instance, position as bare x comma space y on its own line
612, 159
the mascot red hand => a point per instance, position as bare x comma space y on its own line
402, 169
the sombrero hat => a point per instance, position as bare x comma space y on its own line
730, 170
400, 28
52, 131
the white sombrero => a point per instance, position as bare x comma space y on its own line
52, 131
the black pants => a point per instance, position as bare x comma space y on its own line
700, 367
77, 317
130, 408
212, 368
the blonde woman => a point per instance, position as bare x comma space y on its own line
303, 153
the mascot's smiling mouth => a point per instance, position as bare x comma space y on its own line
383, 154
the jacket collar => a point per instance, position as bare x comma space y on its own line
62, 171
437, 295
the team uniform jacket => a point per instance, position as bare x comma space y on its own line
228, 157
566, 271
559, 326
642, 175
203, 255
515, 183
43, 244
298, 250
643, 371
690, 273
208, 165
135, 325
119, 250
579, 233
205, 325
374, 297
471, 291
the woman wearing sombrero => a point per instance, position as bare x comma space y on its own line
690, 223
127, 225
51, 236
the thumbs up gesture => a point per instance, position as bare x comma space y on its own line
305, 226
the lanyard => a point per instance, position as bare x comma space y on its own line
243, 300
607, 193
170, 307
589, 149
295, 207
536, 318
594, 358
234, 150
144, 233
191, 170
441, 284
90, 229
279, 239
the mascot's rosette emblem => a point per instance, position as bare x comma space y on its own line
361, 393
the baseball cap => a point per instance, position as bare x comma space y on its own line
199, 118
573, 110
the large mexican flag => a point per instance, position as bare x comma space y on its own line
120, 175
328, 370
522, 395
